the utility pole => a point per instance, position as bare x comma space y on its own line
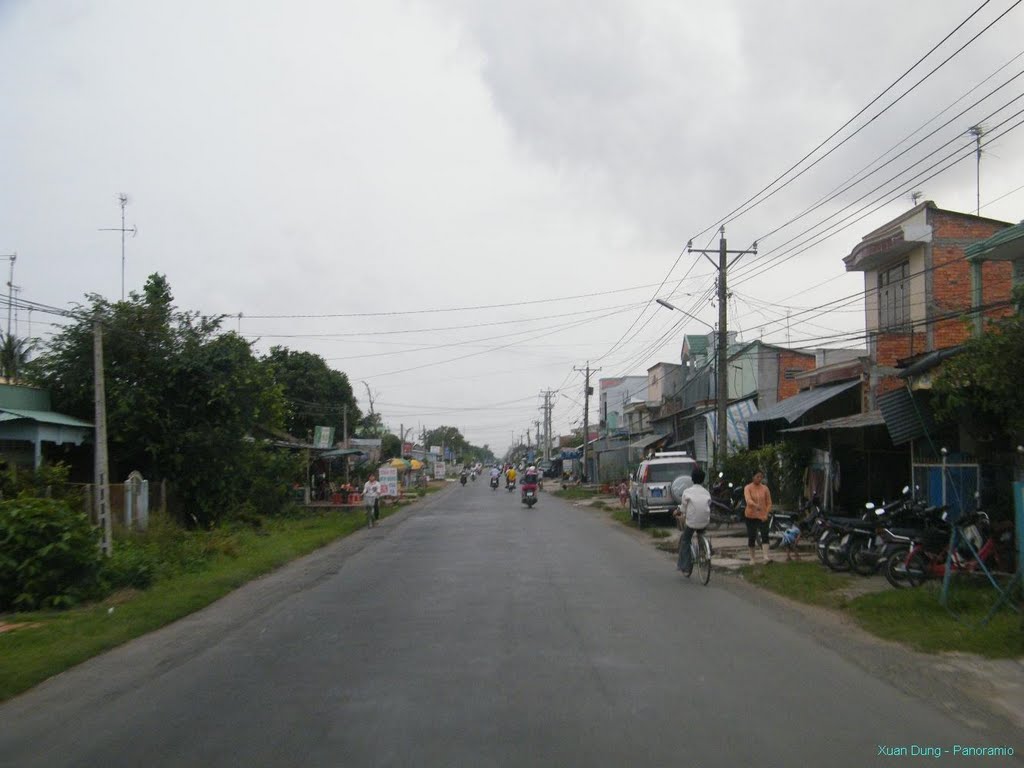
123, 200
722, 356
101, 471
587, 392
548, 395
11, 257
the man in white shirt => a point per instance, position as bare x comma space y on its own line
372, 491
694, 513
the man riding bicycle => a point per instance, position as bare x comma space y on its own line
694, 514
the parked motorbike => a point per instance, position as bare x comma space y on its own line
930, 553
727, 503
846, 543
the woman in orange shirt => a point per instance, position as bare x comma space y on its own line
759, 505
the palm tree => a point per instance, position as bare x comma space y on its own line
14, 354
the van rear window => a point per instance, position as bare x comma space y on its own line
666, 473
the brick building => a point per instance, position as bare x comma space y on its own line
918, 287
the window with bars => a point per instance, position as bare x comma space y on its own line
894, 298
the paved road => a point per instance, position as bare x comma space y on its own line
471, 631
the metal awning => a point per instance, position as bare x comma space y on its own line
792, 408
1006, 245
856, 421
334, 453
906, 417
647, 441
43, 417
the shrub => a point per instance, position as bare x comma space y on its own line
49, 554
129, 565
782, 463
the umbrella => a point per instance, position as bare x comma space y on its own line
416, 464
398, 464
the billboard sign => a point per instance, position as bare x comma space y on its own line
439, 470
323, 437
389, 479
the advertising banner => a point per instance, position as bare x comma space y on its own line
389, 479
439, 470
323, 437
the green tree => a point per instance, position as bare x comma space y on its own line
980, 387
182, 396
14, 354
316, 394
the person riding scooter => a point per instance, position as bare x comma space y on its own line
528, 495
462, 477
510, 479
495, 478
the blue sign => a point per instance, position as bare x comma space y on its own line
569, 455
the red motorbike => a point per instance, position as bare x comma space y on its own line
528, 494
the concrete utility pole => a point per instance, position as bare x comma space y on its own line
722, 352
11, 257
101, 471
548, 405
587, 392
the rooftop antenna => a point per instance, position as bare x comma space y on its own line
977, 131
123, 200
915, 196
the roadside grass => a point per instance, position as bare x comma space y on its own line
805, 582
201, 567
622, 516
660, 533
913, 617
574, 493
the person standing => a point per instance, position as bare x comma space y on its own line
694, 514
759, 506
371, 499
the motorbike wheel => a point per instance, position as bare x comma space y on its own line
836, 556
863, 557
895, 568
917, 569
819, 546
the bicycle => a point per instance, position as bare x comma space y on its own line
700, 546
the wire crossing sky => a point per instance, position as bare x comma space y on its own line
459, 203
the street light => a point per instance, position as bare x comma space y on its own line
677, 309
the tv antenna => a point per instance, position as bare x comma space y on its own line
977, 131
123, 200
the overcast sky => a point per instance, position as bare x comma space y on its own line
510, 182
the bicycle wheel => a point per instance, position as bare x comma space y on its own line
703, 559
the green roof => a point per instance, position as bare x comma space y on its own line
698, 344
43, 417
1006, 244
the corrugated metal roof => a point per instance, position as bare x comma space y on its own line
737, 416
856, 421
792, 408
906, 416
646, 441
1006, 244
43, 417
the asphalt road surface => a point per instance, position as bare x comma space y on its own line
471, 631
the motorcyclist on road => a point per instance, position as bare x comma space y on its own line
510, 476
